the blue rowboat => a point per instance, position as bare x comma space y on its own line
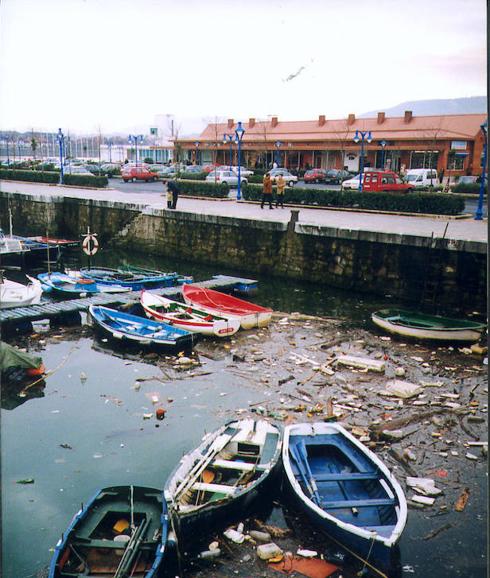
224, 479
74, 284
135, 279
132, 328
345, 490
121, 532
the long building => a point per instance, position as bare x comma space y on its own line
452, 143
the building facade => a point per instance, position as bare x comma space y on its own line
449, 143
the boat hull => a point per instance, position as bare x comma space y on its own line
353, 498
18, 295
226, 508
463, 334
102, 555
248, 314
133, 281
154, 307
132, 329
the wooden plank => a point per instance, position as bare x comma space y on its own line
367, 503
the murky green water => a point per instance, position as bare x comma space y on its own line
100, 421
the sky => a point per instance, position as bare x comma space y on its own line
114, 65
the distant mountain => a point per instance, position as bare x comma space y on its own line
469, 105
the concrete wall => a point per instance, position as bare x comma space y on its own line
452, 274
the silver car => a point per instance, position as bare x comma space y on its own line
225, 178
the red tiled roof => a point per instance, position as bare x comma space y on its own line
440, 127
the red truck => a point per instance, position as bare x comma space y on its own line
381, 181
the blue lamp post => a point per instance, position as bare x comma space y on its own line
479, 209
362, 136
135, 139
109, 146
239, 132
228, 138
278, 145
61, 143
196, 144
383, 144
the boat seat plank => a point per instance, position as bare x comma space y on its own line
346, 477
367, 503
231, 465
222, 489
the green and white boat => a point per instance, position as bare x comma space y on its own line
422, 326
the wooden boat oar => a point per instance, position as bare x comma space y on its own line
131, 550
299, 455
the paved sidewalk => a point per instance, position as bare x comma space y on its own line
459, 229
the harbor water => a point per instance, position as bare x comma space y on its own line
92, 424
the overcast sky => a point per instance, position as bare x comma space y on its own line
112, 64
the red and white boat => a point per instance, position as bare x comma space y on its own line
249, 314
187, 317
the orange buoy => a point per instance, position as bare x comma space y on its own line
160, 413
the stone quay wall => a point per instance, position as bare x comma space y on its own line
451, 273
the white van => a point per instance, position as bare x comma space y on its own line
422, 177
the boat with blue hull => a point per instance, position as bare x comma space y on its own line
139, 330
121, 532
135, 278
345, 490
225, 478
73, 284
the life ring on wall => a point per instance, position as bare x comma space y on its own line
90, 245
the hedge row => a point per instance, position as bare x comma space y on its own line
200, 189
52, 177
430, 203
467, 188
193, 176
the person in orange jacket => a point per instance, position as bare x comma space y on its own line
266, 191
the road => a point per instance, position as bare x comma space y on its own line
157, 187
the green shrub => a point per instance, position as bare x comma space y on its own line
52, 178
467, 188
193, 176
431, 203
30, 176
202, 189
255, 178
85, 181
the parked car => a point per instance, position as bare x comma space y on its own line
137, 173
290, 179
422, 177
466, 179
209, 167
352, 183
76, 170
193, 169
315, 176
336, 176
225, 178
381, 181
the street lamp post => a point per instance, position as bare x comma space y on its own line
20, 145
278, 145
138, 138
61, 142
228, 138
196, 144
362, 136
109, 146
239, 132
383, 144
479, 209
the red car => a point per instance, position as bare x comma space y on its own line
381, 181
138, 173
315, 176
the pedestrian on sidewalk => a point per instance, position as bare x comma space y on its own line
281, 185
169, 195
266, 191
174, 188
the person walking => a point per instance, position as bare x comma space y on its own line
281, 185
266, 191
169, 195
173, 187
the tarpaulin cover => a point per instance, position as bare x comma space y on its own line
310, 567
13, 357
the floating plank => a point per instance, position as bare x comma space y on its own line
362, 362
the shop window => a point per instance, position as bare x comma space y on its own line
455, 162
424, 160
